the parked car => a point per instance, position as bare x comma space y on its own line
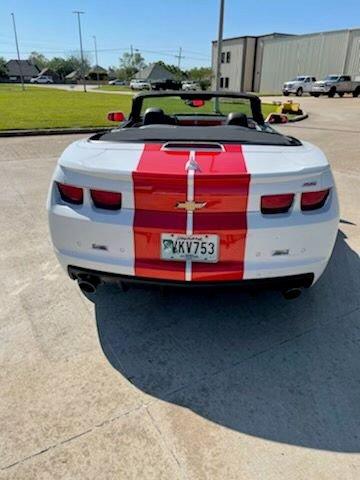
336, 84
165, 85
42, 79
206, 194
299, 85
139, 85
190, 85
117, 82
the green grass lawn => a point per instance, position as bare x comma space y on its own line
116, 88
51, 108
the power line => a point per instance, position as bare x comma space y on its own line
114, 49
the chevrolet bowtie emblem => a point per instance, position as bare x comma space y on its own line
190, 206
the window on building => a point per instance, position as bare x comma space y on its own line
228, 57
226, 82
221, 82
222, 57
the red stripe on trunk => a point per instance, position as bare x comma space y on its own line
160, 181
223, 183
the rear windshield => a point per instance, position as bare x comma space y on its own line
178, 106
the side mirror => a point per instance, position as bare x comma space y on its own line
116, 116
276, 118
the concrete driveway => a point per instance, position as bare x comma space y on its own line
187, 385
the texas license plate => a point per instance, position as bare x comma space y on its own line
197, 248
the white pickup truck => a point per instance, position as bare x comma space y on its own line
299, 85
336, 84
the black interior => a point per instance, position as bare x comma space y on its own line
223, 134
156, 116
237, 118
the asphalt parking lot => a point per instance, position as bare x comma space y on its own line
189, 385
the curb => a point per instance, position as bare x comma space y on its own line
68, 131
52, 131
298, 118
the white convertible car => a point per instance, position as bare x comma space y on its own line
193, 189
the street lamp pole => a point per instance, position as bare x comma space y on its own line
219, 51
219, 44
78, 13
18, 53
97, 61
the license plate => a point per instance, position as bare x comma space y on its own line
197, 248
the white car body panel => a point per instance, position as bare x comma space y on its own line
308, 237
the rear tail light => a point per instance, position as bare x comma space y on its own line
314, 200
71, 194
276, 203
115, 116
106, 200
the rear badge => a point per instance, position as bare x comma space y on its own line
190, 206
277, 253
96, 246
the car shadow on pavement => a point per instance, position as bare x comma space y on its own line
287, 371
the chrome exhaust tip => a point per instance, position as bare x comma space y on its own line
292, 293
88, 284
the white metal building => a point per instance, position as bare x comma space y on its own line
264, 63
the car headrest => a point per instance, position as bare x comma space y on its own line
237, 118
154, 115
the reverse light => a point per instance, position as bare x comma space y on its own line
276, 203
70, 193
314, 200
106, 200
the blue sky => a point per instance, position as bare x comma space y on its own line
159, 27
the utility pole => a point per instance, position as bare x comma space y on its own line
78, 13
219, 44
96, 61
18, 54
179, 56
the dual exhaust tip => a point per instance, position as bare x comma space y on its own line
292, 293
89, 284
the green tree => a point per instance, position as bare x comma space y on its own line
64, 66
75, 61
131, 64
202, 75
175, 70
38, 59
3, 70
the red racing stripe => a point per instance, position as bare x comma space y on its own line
160, 181
223, 183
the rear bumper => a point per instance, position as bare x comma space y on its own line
276, 283
290, 90
320, 90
